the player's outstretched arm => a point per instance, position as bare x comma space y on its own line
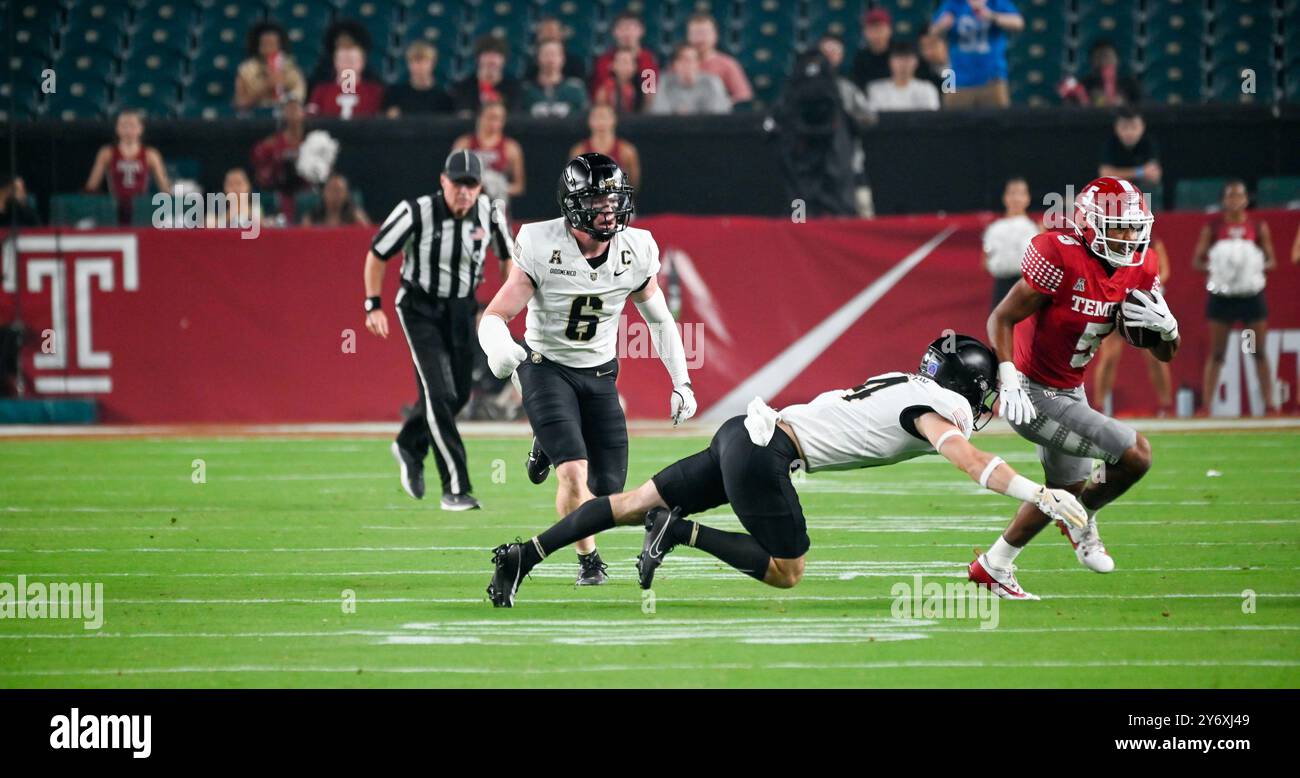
503, 353
991, 472
668, 342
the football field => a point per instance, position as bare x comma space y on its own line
295, 561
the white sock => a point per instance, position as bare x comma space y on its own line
1002, 554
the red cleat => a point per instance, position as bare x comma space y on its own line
1003, 583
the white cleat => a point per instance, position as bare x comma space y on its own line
1088, 547
1003, 583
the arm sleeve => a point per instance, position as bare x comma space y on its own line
667, 340
1041, 264
394, 231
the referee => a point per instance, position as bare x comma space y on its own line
445, 236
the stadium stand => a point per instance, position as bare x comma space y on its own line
177, 57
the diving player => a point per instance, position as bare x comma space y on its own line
890, 418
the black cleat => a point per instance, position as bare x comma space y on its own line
459, 502
538, 464
509, 562
593, 570
657, 543
412, 471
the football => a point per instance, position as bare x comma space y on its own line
1135, 335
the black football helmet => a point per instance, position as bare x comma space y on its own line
966, 366
592, 184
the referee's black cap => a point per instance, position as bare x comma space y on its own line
463, 164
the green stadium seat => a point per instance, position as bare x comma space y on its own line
1241, 48
80, 98
142, 210
1113, 20
1036, 55
836, 17
767, 68
439, 24
764, 25
1243, 81
580, 20
1173, 69
512, 21
666, 21
1278, 192
307, 200
911, 17
1199, 194
150, 91
79, 209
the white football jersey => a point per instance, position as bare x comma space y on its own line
866, 426
573, 316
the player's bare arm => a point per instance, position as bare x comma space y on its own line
994, 474
1020, 303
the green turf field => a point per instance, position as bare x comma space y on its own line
241, 581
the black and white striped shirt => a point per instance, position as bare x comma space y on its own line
444, 255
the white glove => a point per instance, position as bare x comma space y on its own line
1014, 404
1152, 314
683, 403
1060, 505
503, 353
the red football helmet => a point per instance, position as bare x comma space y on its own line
1109, 203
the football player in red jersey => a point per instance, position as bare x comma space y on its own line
1045, 331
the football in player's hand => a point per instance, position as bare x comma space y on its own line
1135, 335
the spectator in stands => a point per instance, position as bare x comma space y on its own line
551, 94
502, 157
275, 159
853, 98
1236, 250
871, 63
902, 91
269, 74
1130, 153
1104, 86
628, 32
240, 208
684, 90
551, 29
702, 34
604, 139
419, 95
342, 34
1106, 364
336, 207
624, 90
15, 210
351, 93
128, 164
935, 66
1006, 238
977, 43
1295, 248
489, 82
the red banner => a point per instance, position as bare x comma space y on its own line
203, 326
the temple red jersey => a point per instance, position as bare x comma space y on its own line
128, 177
329, 99
1055, 344
1222, 229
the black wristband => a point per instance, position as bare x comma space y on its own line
373, 304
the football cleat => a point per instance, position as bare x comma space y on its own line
592, 572
1088, 546
509, 562
1003, 583
656, 545
412, 471
459, 502
538, 464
